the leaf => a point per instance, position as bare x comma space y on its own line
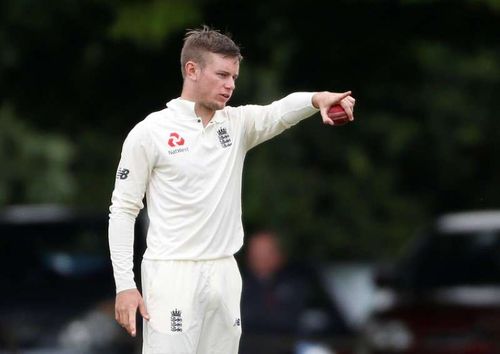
149, 24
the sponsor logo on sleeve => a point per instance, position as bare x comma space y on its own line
122, 173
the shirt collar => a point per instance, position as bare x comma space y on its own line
186, 109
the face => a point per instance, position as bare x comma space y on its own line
264, 255
214, 82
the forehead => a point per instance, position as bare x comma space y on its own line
221, 62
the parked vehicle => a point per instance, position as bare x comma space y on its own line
57, 284
443, 297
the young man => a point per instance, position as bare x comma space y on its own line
188, 160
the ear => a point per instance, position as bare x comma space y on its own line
192, 70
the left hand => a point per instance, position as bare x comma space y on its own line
126, 305
324, 100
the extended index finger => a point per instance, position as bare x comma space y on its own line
343, 95
131, 321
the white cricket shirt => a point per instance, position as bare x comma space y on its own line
191, 176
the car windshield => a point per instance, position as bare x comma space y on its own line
455, 259
48, 259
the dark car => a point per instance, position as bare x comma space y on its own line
444, 296
57, 282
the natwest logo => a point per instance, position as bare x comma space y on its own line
175, 140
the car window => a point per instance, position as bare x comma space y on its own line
40, 260
455, 259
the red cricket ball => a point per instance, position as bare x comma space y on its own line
338, 115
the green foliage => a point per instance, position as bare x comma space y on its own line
424, 141
149, 23
35, 165
426, 75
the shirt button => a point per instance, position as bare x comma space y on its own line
199, 120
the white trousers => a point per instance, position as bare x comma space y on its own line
194, 306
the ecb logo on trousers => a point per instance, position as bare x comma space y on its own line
176, 320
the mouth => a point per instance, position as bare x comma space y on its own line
226, 96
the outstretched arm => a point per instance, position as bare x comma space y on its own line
264, 122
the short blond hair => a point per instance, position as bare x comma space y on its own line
197, 42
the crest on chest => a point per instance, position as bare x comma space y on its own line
224, 137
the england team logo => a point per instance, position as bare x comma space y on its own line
224, 138
176, 320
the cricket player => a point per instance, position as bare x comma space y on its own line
188, 160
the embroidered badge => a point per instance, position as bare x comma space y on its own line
176, 320
224, 138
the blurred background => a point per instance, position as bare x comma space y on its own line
345, 202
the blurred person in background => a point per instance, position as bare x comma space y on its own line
281, 298
188, 161
274, 294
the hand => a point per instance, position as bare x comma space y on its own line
324, 100
127, 302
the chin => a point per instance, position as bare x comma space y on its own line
217, 105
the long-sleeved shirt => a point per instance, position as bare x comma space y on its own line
191, 176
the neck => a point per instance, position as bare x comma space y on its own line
206, 114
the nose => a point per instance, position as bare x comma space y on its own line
230, 83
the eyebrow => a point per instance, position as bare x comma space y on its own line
227, 73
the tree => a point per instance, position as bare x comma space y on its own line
80, 74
